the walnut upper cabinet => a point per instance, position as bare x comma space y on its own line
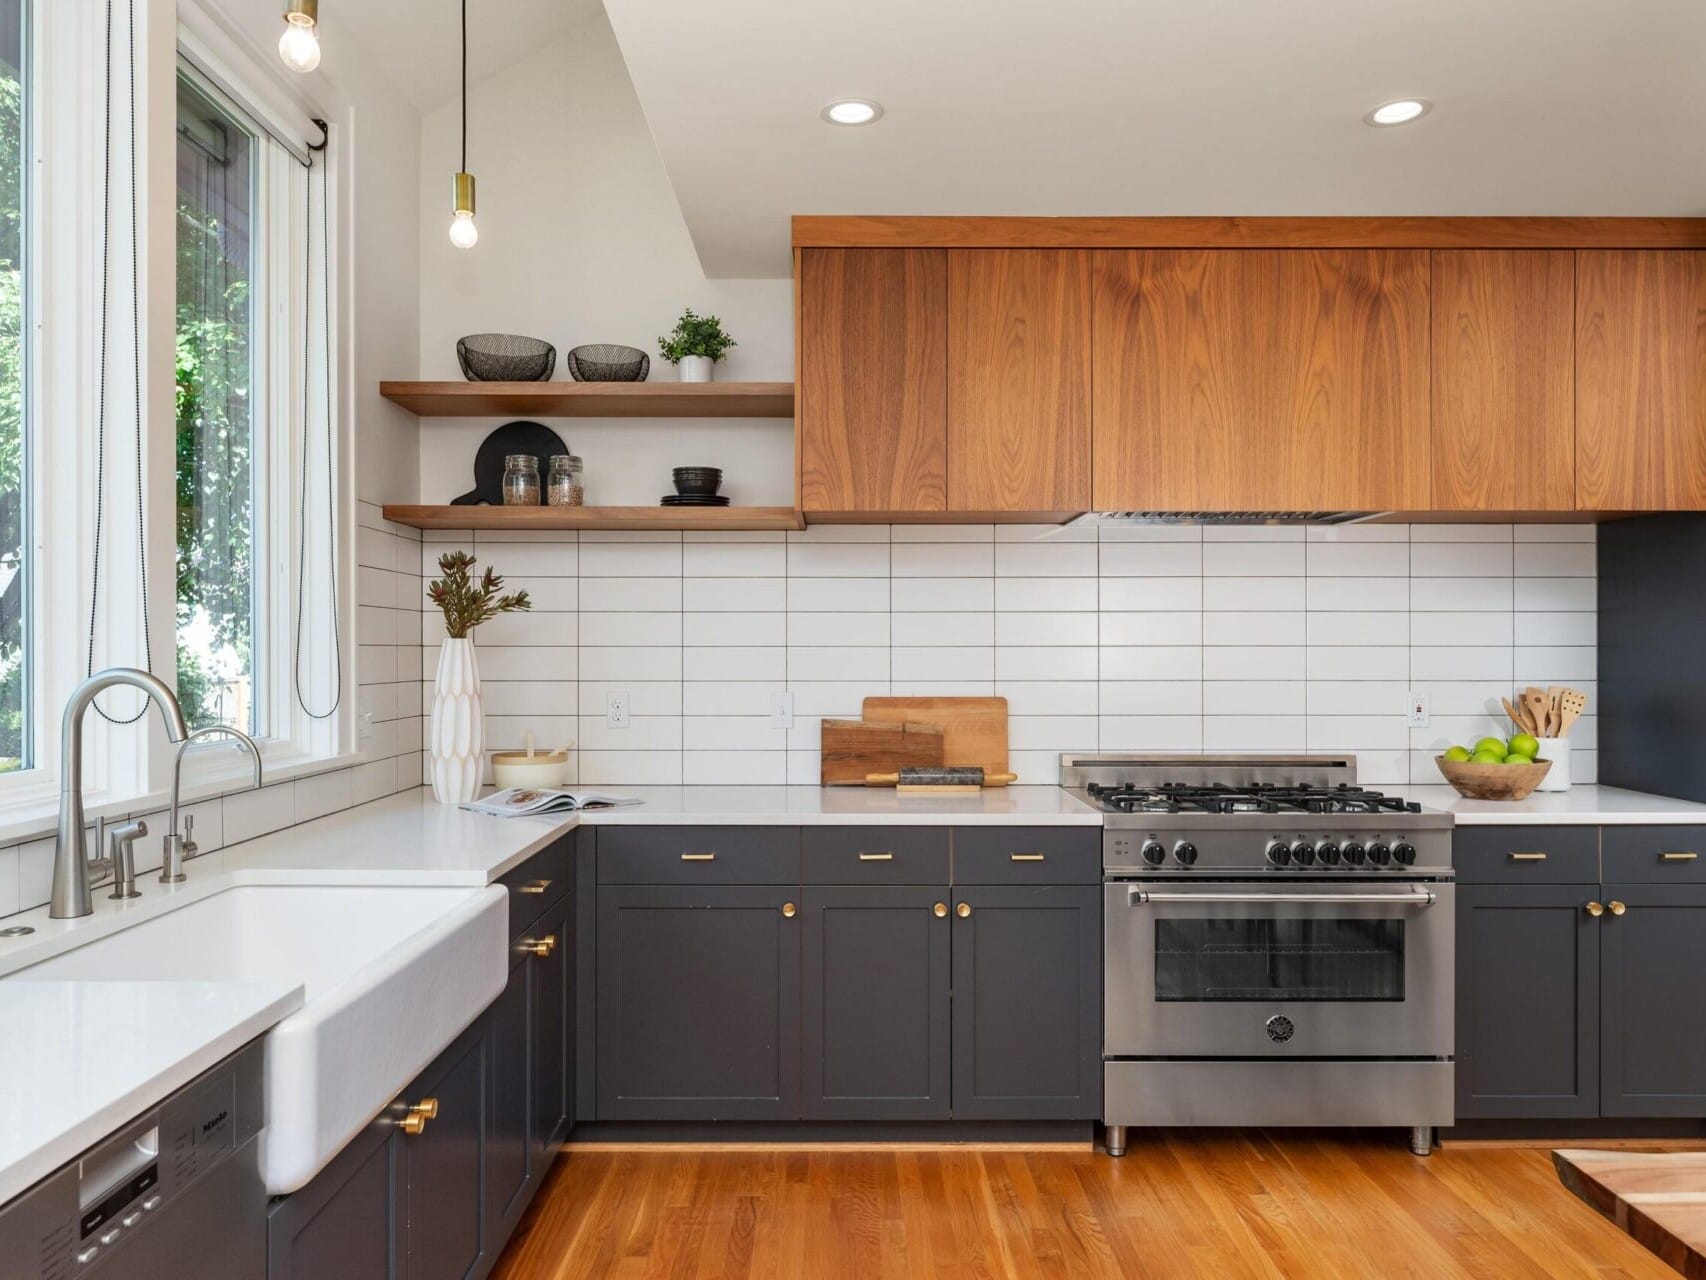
1640, 379
1018, 380
1503, 370
873, 366
1261, 379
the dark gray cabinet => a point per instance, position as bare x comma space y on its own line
1027, 1002
875, 1001
509, 1164
552, 1035
698, 991
1653, 1030
344, 1223
1528, 998
439, 1169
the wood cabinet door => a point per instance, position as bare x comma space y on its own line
1653, 1040
1028, 1003
1528, 1001
698, 1002
1504, 427
1641, 379
875, 1004
1261, 380
873, 361
1018, 380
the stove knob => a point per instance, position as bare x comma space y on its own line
1404, 852
1303, 853
1379, 853
1354, 853
1185, 852
1279, 853
1328, 852
1154, 854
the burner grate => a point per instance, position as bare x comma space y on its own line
1255, 798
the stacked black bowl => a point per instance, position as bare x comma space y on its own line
696, 487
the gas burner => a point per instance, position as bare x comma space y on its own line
1258, 797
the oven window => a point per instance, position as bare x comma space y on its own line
1266, 959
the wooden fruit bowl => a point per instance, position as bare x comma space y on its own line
1493, 781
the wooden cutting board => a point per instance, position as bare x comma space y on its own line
855, 749
974, 730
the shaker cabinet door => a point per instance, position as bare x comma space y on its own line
1653, 971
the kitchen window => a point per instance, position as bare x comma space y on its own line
16, 738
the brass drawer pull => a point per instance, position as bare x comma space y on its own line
876, 857
543, 947
1528, 857
1026, 857
416, 1119
1616, 908
536, 886
698, 857
940, 910
1678, 855
1595, 909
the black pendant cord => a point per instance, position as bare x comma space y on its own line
136, 361
307, 407
464, 168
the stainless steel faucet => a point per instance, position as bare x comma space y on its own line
178, 844
71, 852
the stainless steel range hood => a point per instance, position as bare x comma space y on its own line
1226, 517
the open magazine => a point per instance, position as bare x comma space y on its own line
518, 802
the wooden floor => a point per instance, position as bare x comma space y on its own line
1202, 1203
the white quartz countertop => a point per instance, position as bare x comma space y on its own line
81, 1059
858, 806
1581, 805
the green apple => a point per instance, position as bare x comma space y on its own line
1488, 757
1516, 757
1457, 754
1525, 744
1492, 744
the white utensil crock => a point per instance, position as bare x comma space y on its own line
1557, 750
458, 724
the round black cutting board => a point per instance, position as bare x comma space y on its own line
513, 437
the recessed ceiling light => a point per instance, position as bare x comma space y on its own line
1401, 111
851, 111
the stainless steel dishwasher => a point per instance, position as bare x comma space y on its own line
174, 1195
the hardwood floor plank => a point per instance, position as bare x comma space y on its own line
1182, 1206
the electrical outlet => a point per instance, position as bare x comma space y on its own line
1416, 709
616, 709
782, 710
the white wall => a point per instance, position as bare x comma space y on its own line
581, 240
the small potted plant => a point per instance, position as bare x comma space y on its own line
695, 345
458, 744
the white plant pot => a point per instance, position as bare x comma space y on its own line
458, 741
696, 368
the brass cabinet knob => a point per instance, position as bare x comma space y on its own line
940, 910
543, 947
415, 1121
1595, 909
789, 910
536, 886
963, 910
1616, 908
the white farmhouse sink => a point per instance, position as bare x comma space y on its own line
389, 977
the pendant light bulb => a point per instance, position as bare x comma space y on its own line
463, 233
299, 46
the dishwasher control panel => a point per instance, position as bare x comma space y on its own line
76, 1219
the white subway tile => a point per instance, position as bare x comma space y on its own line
639, 630
630, 535
1267, 627
1045, 533
832, 595
1479, 629
1037, 595
1557, 628
1465, 697
630, 768
838, 699
645, 697
1135, 595
654, 595
805, 768
375, 626
630, 559
734, 560
1555, 664
1153, 662
529, 697
738, 628
531, 559
732, 733
737, 595
1252, 533
248, 814
1048, 697
1557, 559
1253, 733
1557, 533
1046, 560
1035, 768
1357, 628
837, 663
1052, 733
838, 560
914, 664
368, 781
323, 793
1357, 662
1358, 595
737, 662
375, 548
1356, 533
1252, 559
644, 733
625, 663
376, 663
1358, 733
942, 533
1557, 594
730, 697
933, 595
1046, 628
943, 559
1253, 662
942, 628
547, 595
1026, 662
1460, 533
1354, 697
1151, 559
734, 768
9, 881
1136, 531
509, 733
862, 629
819, 533
1151, 733
1252, 697
1460, 559
1458, 662
1359, 560
35, 871
1465, 594
1118, 629
691, 536
1151, 697
1240, 594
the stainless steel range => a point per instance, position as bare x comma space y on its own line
1278, 945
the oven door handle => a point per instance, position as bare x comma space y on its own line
1420, 898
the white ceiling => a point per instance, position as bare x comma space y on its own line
1156, 106
418, 42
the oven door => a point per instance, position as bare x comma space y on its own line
1279, 969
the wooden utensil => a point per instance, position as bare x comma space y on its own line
1570, 707
852, 750
1518, 717
1534, 702
974, 729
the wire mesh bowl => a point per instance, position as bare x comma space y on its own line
608, 362
505, 357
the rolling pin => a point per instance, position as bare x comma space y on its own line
939, 778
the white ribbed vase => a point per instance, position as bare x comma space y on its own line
458, 724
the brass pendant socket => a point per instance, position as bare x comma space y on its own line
464, 194
304, 13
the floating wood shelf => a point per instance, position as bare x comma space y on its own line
469, 517
594, 399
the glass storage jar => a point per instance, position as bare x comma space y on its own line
521, 480
564, 486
